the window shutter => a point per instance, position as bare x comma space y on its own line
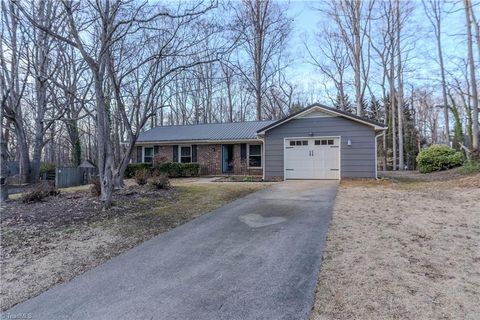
194, 153
175, 153
155, 150
243, 151
139, 155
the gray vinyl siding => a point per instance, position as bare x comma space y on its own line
357, 160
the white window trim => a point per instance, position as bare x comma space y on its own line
261, 155
143, 153
180, 153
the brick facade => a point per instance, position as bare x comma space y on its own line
240, 166
163, 154
209, 158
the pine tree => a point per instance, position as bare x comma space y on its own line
374, 110
411, 137
296, 107
387, 107
346, 103
457, 128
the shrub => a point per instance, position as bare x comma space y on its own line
132, 168
177, 170
160, 159
160, 181
141, 176
438, 157
47, 167
248, 179
40, 192
96, 188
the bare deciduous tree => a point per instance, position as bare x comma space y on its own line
473, 80
333, 61
14, 81
353, 19
264, 29
433, 11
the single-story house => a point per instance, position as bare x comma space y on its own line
317, 142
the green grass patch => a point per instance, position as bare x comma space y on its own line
470, 166
189, 202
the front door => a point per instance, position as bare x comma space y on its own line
227, 158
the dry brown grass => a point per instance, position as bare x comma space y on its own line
403, 250
54, 241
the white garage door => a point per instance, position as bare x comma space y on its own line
312, 158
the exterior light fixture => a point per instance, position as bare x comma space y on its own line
349, 142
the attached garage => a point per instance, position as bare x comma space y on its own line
320, 143
312, 158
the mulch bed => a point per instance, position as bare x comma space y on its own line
408, 175
239, 179
79, 208
246, 179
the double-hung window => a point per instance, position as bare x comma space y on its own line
255, 155
148, 154
185, 154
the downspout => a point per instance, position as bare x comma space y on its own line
263, 155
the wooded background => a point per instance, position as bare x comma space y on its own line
81, 79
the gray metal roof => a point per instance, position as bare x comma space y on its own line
230, 131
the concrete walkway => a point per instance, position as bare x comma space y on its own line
255, 258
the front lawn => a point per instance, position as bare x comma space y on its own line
407, 248
53, 241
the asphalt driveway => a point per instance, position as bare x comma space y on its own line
255, 258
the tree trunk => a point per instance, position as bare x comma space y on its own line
444, 85
22, 145
4, 171
75, 145
401, 164
37, 154
392, 109
384, 140
120, 172
476, 26
104, 146
229, 96
356, 62
341, 90
41, 47
473, 80
12, 102
258, 58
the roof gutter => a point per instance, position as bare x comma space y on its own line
262, 138
194, 142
